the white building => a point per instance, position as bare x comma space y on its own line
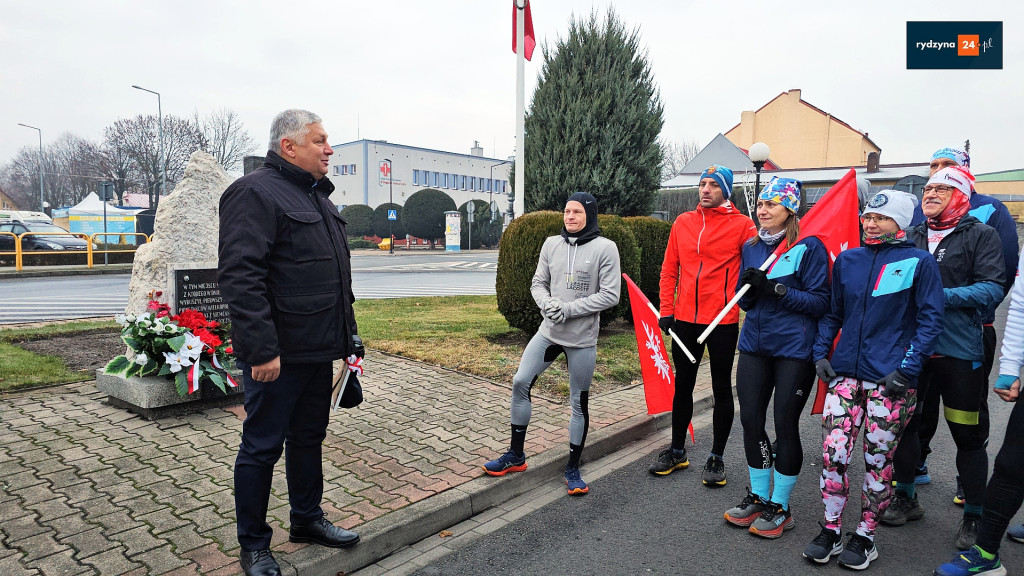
360, 174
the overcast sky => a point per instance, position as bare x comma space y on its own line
441, 74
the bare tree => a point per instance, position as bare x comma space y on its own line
70, 171
227, 139
676, 155
140, 140
117, 165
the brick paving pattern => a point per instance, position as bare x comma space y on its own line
86, 488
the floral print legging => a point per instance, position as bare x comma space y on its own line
847, 403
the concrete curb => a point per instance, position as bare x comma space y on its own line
389, 533
71, 271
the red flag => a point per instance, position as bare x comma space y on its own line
833, 219
529, 40
659, 382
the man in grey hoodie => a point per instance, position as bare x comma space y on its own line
577, 277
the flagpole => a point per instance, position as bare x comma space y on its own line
739, 294
519, 204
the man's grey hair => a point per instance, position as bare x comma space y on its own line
292, 124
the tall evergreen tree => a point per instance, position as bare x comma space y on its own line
594, 121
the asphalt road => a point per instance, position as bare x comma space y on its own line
375, 275
635, 523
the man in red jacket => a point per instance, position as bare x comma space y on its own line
698, 278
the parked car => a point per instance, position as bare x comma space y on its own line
66, 241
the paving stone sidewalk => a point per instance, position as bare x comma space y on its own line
86, 488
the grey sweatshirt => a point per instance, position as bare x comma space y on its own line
586, 277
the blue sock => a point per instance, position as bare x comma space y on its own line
760, 482
973, 509
907, 489
783, 488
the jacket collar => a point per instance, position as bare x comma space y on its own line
297, 175
726, 207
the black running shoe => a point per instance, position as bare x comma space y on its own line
902, 509
858, 554
968, 531
669, 461
714, 472
825, 545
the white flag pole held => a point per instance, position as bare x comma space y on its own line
673, 334
735, 299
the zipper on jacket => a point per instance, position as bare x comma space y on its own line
864, 311
696, 290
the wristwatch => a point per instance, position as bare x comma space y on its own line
780, 290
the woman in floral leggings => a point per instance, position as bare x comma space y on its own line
887, 299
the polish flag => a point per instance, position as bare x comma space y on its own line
529, 41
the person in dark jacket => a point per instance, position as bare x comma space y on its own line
286, 276
992, 212
887, 299
971, 262
783, 306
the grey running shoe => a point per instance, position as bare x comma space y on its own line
772, 522
902, 509
858, 554
714, 472
825, 545
746, 512
669, 461
968, 531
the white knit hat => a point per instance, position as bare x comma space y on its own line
895, 204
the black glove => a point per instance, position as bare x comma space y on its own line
357, 346
666, 322
757, 279
895, 385
824, 370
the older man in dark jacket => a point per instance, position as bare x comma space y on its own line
970, 259
285, 274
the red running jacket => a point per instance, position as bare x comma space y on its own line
702, 261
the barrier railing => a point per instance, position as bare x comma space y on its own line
122, 236
19, 252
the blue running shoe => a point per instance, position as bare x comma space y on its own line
1016, 533
509, 462
577, 487
970, 563
921, 475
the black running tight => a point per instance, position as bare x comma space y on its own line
721, 345
1006, 488
757, 377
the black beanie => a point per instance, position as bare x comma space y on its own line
590, 229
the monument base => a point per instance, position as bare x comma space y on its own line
154, 397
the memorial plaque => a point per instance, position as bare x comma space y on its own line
198, 289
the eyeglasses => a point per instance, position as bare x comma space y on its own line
875, 218
940, 189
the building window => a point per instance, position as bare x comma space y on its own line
472, 183
344, 169
337, 170
352, 169
434, 179
416, 177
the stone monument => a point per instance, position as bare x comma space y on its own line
180, 261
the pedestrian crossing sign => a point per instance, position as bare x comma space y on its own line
392, 214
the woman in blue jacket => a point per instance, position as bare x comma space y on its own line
783, 306
887, 299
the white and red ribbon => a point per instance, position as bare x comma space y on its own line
193, 378
355, 364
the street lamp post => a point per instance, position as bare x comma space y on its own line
758, 155
163, 161
490, 189
42, 205
391, 200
